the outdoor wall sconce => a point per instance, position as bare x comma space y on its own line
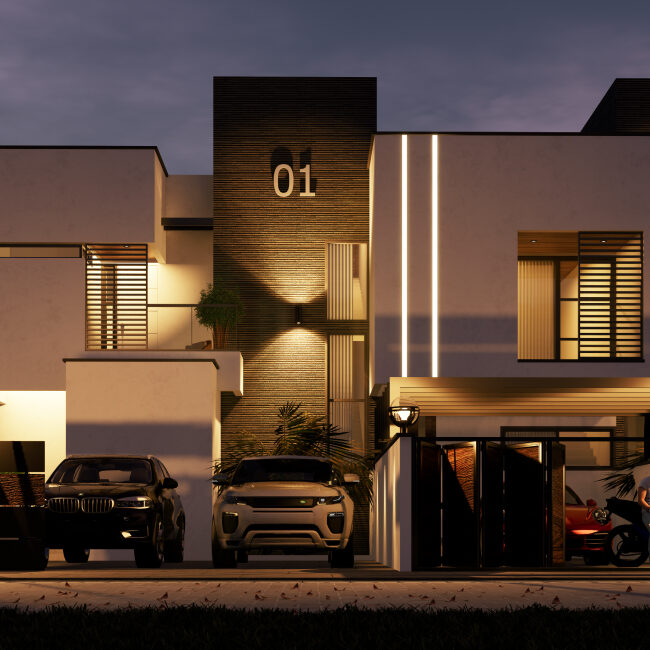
404, 416
297, 314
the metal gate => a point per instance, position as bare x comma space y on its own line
502, 504
22, 497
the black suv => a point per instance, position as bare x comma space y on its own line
115, 502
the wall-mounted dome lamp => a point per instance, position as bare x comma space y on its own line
297, 314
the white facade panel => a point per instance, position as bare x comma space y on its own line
391, 521
41, 320
78, 195
166, 408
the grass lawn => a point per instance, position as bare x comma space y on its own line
188, 628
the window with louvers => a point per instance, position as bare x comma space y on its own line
580, 296
610, 294
116, 296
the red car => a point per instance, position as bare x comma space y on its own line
585, 537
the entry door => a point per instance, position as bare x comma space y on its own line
492, 519
426, 505
524, 511
460, 513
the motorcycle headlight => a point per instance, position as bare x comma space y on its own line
134, 502
600, 515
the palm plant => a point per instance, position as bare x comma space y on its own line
303, 434
622, 479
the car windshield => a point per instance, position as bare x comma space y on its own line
103, 470
571, 498
283, 469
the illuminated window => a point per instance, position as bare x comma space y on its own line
347, 383
347, 281
116, 296
580, 295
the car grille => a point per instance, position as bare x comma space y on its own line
63, 504
596, 540
97, 505
280, 502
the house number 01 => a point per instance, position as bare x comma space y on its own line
306, 170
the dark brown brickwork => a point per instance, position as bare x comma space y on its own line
22, 489
273, 248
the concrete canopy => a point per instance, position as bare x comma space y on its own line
461, 396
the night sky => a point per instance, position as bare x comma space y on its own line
139, 72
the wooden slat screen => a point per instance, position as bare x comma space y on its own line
610, 294
116, 296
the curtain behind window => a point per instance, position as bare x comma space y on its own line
535, 322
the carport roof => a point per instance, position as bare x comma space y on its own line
523, 395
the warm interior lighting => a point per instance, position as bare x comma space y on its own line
404, 256
434, 255
533, 241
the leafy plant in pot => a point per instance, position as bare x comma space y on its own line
219, 309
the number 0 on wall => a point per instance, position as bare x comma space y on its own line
306, 170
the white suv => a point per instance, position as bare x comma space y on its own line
293, 503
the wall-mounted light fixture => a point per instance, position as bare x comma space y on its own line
404, 416
297, 314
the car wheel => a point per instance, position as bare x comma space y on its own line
222, 558
175, 549
76, 554
343, 558
625, 547
150, 555
596, 558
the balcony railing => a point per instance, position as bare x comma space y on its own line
175, 327
169, 327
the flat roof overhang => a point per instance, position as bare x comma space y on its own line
462, 396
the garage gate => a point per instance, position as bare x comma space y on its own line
483, 503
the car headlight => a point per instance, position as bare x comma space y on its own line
134, 502
233, 498
328, 500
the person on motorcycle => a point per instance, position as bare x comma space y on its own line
643, 498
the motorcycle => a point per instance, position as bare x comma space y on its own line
627, 544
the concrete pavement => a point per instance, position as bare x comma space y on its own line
313, 586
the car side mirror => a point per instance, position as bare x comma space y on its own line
591, 503
350, 478
169, 483
219, 479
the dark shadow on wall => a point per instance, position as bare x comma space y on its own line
480, 346
186, 451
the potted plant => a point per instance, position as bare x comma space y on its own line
219, 309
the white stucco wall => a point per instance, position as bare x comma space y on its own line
41, 320
165, 408
390, 517
491, 187
77, 195
189, 196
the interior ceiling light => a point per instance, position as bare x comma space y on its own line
603, 241
533, 241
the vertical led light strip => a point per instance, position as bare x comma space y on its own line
434, 255
404, 256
